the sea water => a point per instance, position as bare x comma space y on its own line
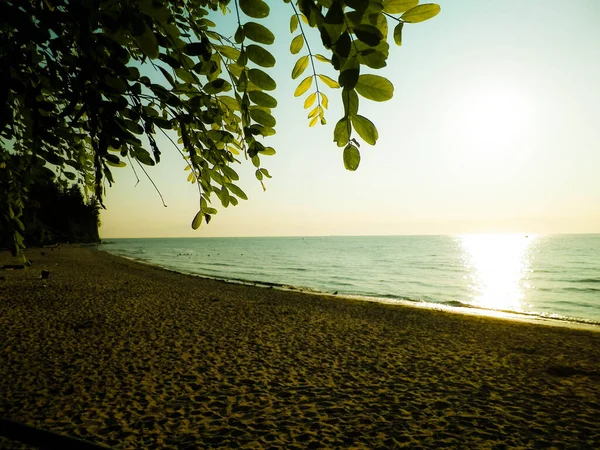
554, 276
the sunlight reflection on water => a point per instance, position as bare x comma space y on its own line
498, 267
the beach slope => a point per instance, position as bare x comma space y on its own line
131, 356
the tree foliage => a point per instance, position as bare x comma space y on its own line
88, 85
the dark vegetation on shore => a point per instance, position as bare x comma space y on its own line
55, 213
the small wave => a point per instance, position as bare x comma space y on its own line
420, 283
587, 280
459, 304
580, 289
341, 283
396, 297
569, 289
218, 264
546, 271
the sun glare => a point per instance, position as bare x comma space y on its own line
497, 265
492, 116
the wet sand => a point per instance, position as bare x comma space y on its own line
132, 356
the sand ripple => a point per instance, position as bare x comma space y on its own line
130, 356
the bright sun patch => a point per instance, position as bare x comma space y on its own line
493, 116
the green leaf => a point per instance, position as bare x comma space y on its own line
162, 123
238, 37
375, 88
237, 191
335, 14
185, 75
116, 83
196, 49
174, 63
350, 100
368, 34
167, 75
351, 157
322, 58
260, 56
329, 82
349, 74
228, 52
365, 129
398, 6
216, 86
349, 77
303, 86
312, 12
358, 5
224, 196
374, 57
316, 110
243, 59
421, 13
310, 100
232, 174
300, 67
219, 136
258, 33
147, 43
236, 69
343, 45
297, 44
398, 33
161, 14
331, 33
262, 130
267, 151
143, 156
254, 8
115, 164
262, 117
261, 79
379, 21
230, 102
134, 127
262, 99
341, 133
293, 23
197, 220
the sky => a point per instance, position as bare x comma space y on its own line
493, 127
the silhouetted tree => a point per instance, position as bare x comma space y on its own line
54, 212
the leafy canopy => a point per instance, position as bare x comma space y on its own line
76, 100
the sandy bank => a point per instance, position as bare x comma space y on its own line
132, 356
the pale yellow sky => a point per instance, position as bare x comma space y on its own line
493, 127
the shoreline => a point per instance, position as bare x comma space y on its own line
129, 355
517, 316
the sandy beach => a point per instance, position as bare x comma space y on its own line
131, 356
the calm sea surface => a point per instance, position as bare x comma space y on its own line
555, 276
